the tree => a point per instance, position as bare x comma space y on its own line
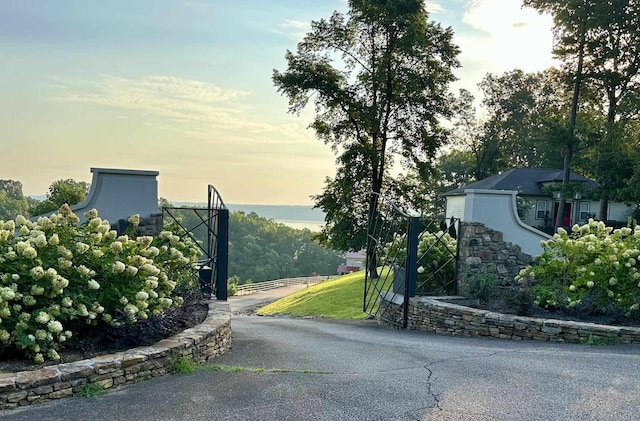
600, 42
67, 191
12, 201
379, 79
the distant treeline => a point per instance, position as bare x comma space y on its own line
261, 249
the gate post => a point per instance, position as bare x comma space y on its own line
411, 267
222, 248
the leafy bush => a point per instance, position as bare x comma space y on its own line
483, 286
232, 285
58, 278
594, 268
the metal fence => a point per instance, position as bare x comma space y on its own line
406, 256
208, 228
253, 288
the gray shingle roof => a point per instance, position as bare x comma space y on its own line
526, 180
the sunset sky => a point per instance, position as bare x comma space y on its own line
184, 87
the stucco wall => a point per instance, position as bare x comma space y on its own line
497, 210
118, 194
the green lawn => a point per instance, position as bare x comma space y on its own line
339, 298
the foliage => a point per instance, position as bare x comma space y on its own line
67, 191
232, 285
339, 298
483, 285
436, 259
58, 278
183, 365
12, 201
261, 249
604, 38
379, 78
593, 269
91, 390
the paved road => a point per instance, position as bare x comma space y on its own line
360, 371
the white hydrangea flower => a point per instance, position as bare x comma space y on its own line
42, 317
134, 220
93, 284
132, 270
81, 247
7, 293
142, 296
116, 247
4, 335
119, 267
94, 224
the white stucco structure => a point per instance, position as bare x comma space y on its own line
497, 210
118, 194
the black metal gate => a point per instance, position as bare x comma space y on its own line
406, 256
209, 229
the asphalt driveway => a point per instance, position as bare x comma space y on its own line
328, 370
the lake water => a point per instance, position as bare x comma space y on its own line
314, 226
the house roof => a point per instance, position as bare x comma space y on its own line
528, 181
354, 255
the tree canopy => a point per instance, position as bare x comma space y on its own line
379, 80
67, 191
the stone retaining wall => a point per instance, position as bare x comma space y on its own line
200, 343
433, 315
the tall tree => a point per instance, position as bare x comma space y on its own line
379, 79
601, 41
571, 20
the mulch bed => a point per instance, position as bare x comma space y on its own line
145, 332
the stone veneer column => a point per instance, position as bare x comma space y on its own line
481, 248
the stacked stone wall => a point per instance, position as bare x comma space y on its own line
200, 343
432, 315
483, 249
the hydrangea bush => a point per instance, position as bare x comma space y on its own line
594, 268
58, 278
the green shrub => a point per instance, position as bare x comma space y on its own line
91, 390
232, 285
593, 268
58, 278
183, 365
483, 285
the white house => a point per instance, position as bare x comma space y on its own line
354, 261
540, 206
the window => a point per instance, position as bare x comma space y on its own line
584, 211
541, 209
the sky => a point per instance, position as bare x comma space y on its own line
184, 87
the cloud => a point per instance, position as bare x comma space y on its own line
293, 29
187, 106
433, 7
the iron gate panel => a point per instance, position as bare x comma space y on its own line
406, 255
208, 228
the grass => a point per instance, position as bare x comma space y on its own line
183, 365
91, 390
340, 298
593, 340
